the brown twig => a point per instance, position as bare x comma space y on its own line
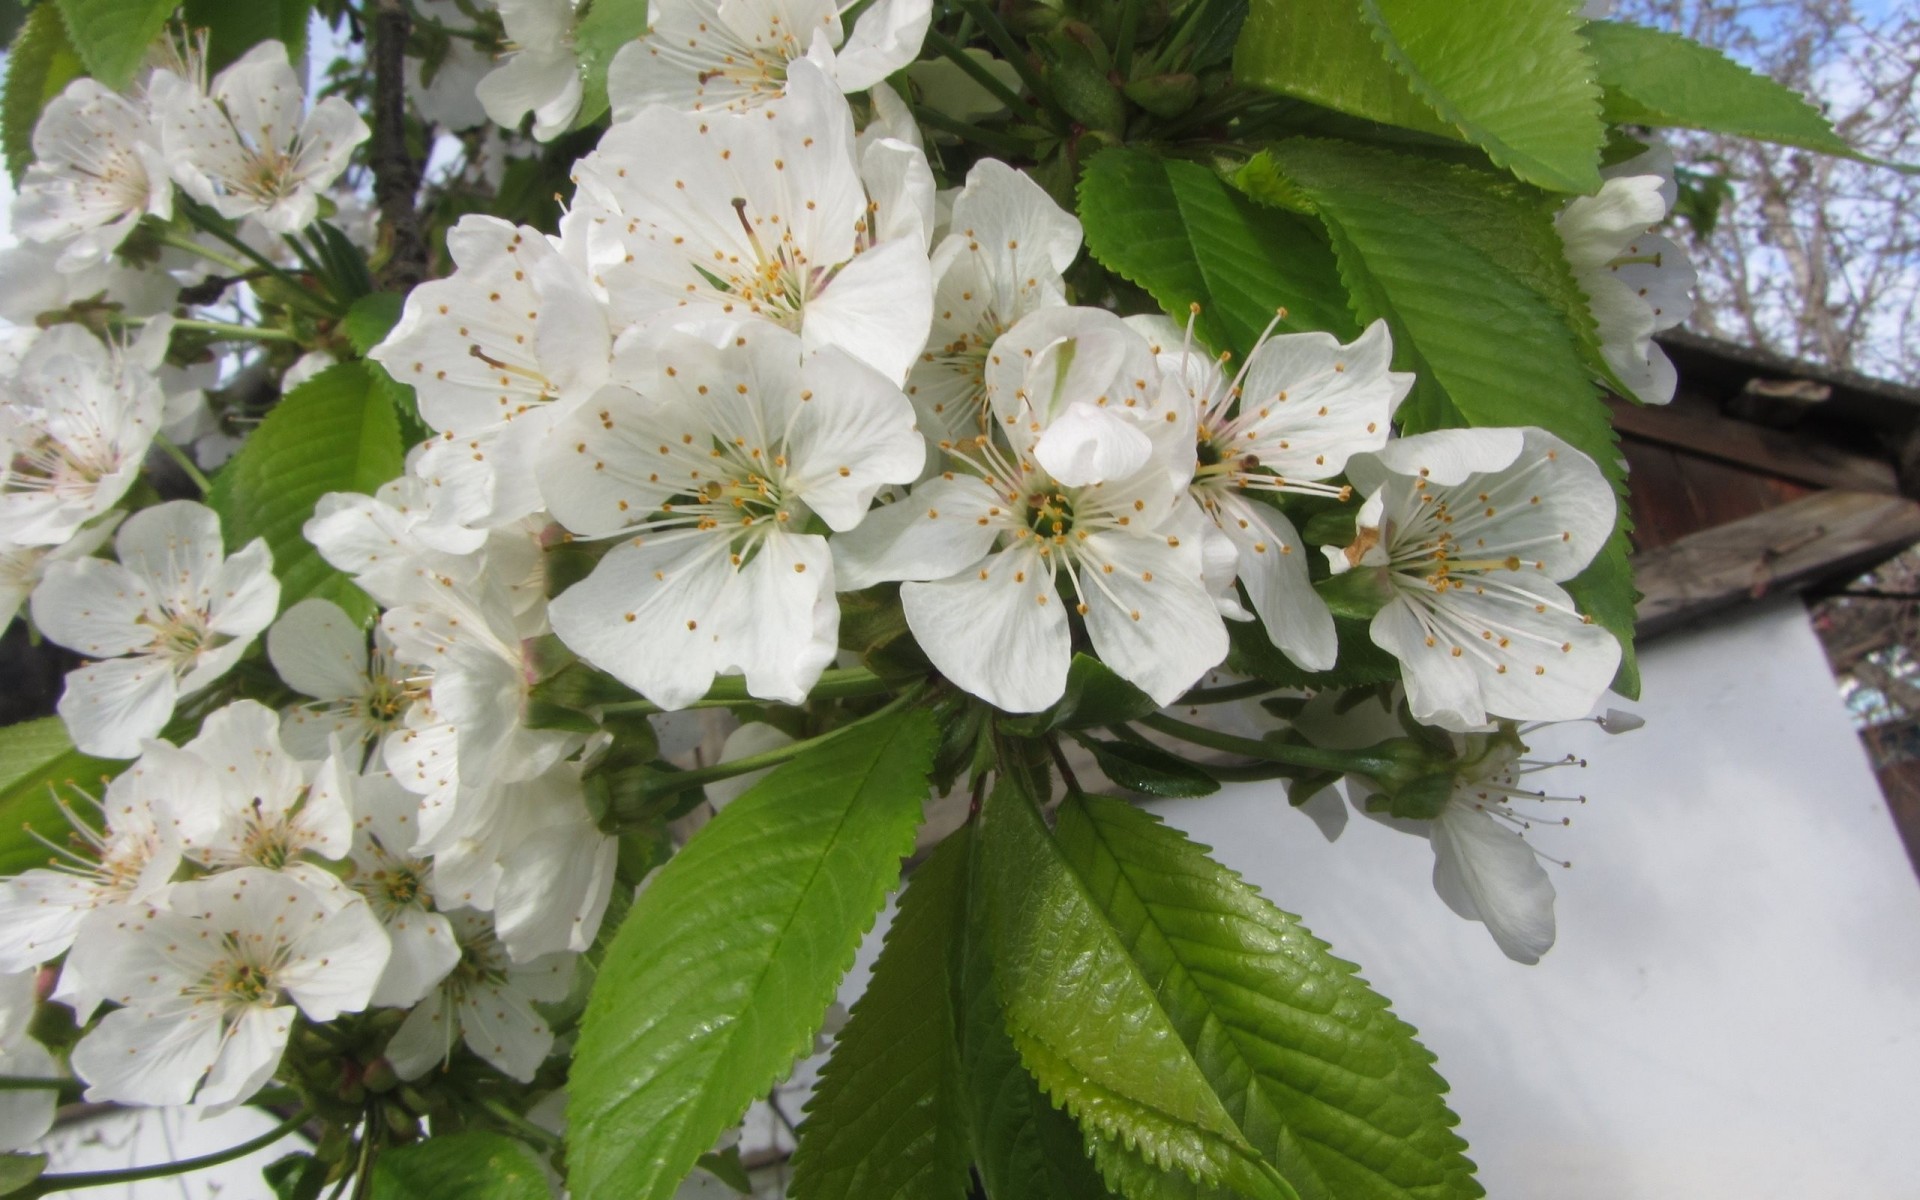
396, 173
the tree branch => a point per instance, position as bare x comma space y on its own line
396, 174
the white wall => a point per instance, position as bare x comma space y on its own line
1733, 1008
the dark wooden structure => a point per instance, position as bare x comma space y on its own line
1767, 475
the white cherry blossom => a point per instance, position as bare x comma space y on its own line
399, 886
1299, 407
774, 215
1470, 533
23, 567
719, 55
77, 419
247, 147
26, 1114
97, 170
540, 74
986, 552
450, 97
173, 615
1002, 260
709, 461
208, 986
127, 860
401, 543
257, 805
32, 284
1637, 282
487, 1001
496, 352
359, 694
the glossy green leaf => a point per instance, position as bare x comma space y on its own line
1656, 78
112, 36
39, 67
19, 1170
336, 432
1186, 237
1513, 75
1360, 662
725, 965
35, 757
1310, 1063
1150, 770
1023, 1147
1487, 346
608, 25
371, 318
1086, 1019
1325, 51
888, 1119
473, 1165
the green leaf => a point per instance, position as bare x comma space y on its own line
39, 67
19, 1170
336, 432
608, 25
1657, 78
371, 318
296, 1176
726, 963
1086, 1020
112, 36
1324, 51
1176, 230
1023, 1147
237, 26
888, 1119
1513, 75
1486, 344
1310, 1063
1095, 696
35, 757
1150, 770
473, 1165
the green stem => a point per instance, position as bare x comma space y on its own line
209, 224
975, 71
841, 683
999, 143
233, 332
1279, 752
48, 1184
546, 1139
68, 1088
185, 463
167, 235
681, 780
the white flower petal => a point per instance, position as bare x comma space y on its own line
998, 631
1487, 872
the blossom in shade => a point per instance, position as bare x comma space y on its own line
248, 147
486, 1001
208, 986
97, 169
76, 421
398, 885
22, 567
173, 615
253, 804
710, 55
1469, 534
25, 1114
357, 694
495, 352
540, 74
124, 854
774, 215
709, 461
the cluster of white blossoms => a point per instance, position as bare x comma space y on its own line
763, 363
